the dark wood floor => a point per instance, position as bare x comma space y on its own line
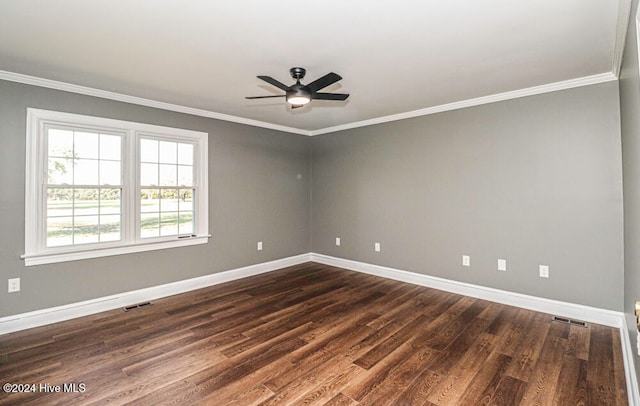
313, 334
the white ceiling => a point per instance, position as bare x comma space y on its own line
394, 57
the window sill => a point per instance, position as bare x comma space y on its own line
54, 257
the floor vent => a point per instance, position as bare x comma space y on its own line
569, 321
136, 306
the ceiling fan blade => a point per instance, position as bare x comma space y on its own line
274, 82
297, 106
263, 97
326, 80
329, 96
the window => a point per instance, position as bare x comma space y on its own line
97, 187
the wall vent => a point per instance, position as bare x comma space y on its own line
136, 306
569, 321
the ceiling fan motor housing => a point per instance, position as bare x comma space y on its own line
297, 73
298, 90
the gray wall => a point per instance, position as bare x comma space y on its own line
535, 180
630, 124
254, 196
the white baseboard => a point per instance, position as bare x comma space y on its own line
571, 310
66, 312
556, 307
630, 371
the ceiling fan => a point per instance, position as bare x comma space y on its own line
297, 95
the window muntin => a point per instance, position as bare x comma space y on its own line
84, 186
166, 188
98, 187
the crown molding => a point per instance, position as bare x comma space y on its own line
105, 94
624, 12
551, 87
88, 91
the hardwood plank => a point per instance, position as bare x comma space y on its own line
315, 334
517, 330
526, 354
223, 374
421, 387
253, 396
319, 384
340, 400
382, 370
453, 386
430, 333
509, 392
399, 304
380, 351
572, 388
618, 368
292, 371
331, 385
448, 333
542, 384
235, 392
484, 385
601, 382
399, 378
578, 343
450, 356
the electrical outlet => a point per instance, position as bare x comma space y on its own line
544, 271
376, 247
14, 285
259, 245
338, 241
502, 265
466, 260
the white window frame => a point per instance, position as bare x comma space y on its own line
36, 251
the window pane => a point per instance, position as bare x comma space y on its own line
169, 224
186, 200
86, 202
59, 231
168, 175
186, 223
110, 201
169, 200
148, 150
150, 200
85, 145
85, 230
59, 202
168, 152
149, 225
110, 228
149, 174
60, 143
109, 172
185, 154
60, 171
185, 175
110, 147
85, 172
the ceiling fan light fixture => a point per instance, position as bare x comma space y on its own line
298, 95
298, 100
